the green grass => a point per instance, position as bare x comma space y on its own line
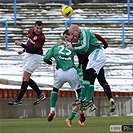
58, 125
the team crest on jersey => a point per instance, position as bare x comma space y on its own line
35, 37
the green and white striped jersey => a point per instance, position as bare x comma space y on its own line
64, 57
87, 42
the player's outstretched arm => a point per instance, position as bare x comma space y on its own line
100, 38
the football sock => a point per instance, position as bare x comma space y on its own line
23, 89
52, 109
90, 92
34, 86
53, 98
72, 115
80, 73
107, 90
84, 89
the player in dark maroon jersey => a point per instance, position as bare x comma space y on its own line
33, 51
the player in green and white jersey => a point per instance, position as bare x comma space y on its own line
65, 72
87, 42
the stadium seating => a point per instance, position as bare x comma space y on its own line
118, 66
54, 25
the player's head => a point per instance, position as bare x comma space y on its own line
67, 35
74, 30
38, 27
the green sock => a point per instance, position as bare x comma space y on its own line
90, 92
84, 89
72, 115
80, 73
53, 98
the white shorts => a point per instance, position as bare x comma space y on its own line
96, 60
31, 62
69, 76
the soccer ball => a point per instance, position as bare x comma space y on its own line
67, 11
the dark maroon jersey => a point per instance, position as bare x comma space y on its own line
35, 40
100, 38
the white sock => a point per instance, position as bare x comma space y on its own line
52, 109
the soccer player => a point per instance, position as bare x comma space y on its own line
33, 52
71, 38
83, 60
87, 42
66, 72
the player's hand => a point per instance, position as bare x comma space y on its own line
105, 46
70, 47
49, 62
20, 52
18, 42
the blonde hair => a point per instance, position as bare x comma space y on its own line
61, 43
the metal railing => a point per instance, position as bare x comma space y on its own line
15, 21
6, 32
15, 10
70, 3
15, 7
128, 11
123, 21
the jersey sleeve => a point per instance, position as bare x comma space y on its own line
84, 43
100, 38
31, 49
48, 54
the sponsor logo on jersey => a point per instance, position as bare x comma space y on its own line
31, 41
35, 37
64, 58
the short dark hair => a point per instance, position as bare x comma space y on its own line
39, 23
66, 32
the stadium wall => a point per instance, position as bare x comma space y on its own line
124, 104
63, 108
12, 93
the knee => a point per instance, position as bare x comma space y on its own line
78, 91
55, 89
86, 83
75, 108
91, 87
105, 85
26, 76
25, 80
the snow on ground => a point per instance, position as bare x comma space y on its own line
118, 69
